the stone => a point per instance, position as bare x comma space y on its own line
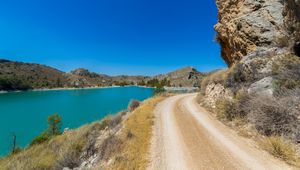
215, 92
247, 26
262, 87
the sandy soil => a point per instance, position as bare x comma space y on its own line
187, 137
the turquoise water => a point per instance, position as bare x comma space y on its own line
25, 113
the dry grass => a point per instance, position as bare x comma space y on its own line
136, 136
281, 148
275, 115
286, 71
60, 151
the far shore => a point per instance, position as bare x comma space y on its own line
72, 88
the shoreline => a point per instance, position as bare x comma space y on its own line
71, 88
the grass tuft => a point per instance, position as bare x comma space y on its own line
136, 137
281, 148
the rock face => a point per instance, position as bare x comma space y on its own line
249, 26
215, 92
263, 86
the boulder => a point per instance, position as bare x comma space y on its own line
262, 87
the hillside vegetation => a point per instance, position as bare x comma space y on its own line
121, 141
21, 76
267, 101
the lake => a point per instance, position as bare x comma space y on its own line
25, 113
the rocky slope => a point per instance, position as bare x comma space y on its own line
185, 77
84, 78
249, 26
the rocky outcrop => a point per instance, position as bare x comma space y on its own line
262, 87
248, 26
215, 92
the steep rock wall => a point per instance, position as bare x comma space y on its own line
248, 26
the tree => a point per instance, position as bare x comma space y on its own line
142, 83
43, 137
15, 149
14, 143
54, 124
54, 128
58, 82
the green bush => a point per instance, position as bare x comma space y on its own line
158, 84
16, 150
122, 84
54, 129
158, 91
13, 84
142, 83
43, 137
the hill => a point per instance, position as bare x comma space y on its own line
24, 76
185, 77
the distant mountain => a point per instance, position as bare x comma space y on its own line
185, 77
23, 76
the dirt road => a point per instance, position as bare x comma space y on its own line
186, 137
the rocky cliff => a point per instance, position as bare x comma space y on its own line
260, 41
249, 26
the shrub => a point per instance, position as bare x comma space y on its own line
286, 72
17, 150
280, 148
230, 109
157, 83
159, 91
110, 145
43, 137
133, 105
54, 128
226, 109
104, 123
282, 41
115, 120
275, 115
153, 83
142, 83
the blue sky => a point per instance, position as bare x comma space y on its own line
135, 37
